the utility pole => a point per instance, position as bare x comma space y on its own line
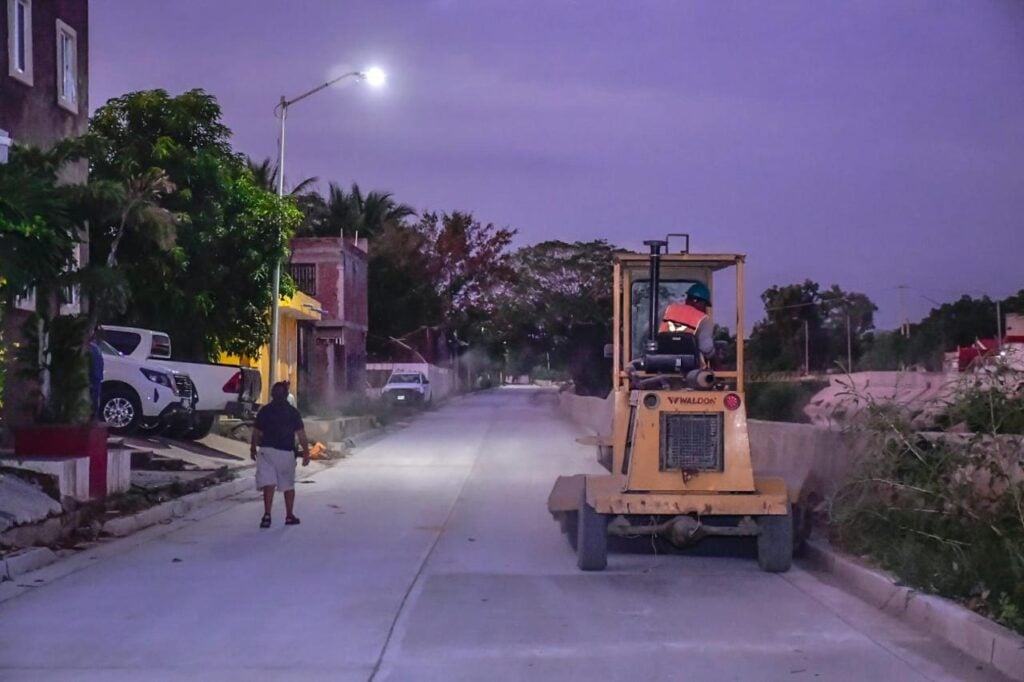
999, 324
904, 324
849, 345
807, 349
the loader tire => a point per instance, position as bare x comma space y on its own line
591, 537
775, 542
570, 526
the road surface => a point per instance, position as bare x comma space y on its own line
429, 555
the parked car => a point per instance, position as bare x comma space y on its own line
220, 389
407, 388
142, 395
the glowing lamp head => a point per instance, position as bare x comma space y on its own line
732, 402
375, 77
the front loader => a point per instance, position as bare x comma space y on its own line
679, 465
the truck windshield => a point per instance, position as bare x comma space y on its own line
404, 379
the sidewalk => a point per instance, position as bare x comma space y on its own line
169, 479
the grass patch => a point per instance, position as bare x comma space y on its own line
781, 401
944, 512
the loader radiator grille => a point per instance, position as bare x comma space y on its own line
692, 442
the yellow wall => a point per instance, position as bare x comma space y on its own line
292, 309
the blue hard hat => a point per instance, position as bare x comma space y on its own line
699, 291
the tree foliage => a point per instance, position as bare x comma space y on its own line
402, 297
799, 314
211, 288
558, 309
445, 270
946, 327
469, 263
350, 213
38, 233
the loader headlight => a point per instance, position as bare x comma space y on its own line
651, 401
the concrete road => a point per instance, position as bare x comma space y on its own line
430, 556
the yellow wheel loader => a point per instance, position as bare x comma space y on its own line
679, 457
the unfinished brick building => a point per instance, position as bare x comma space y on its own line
332, 360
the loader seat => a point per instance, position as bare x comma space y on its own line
677, 353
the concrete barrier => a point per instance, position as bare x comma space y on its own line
593, 414
812, 459
337, 428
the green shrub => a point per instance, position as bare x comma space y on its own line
991, 404
780, 401
944, 512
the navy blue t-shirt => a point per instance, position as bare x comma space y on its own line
278, 421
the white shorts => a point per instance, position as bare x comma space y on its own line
275, 467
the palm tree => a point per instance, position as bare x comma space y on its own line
352, 212
265, 175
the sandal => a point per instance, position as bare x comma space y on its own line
291, 521
265, 523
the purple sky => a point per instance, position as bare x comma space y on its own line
868, 144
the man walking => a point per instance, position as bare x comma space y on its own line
273, 449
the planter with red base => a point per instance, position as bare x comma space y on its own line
68, 440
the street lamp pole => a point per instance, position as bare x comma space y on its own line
374, 77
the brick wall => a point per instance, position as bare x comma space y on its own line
31, 113
338, 357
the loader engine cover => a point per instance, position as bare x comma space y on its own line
692, 441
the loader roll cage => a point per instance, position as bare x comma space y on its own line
641, 313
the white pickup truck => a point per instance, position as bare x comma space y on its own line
407, 388
220, 389
139, 395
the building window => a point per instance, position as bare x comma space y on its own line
304, 276
67, 67
19, 40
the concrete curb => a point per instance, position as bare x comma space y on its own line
24, 561
976, 636
125, 525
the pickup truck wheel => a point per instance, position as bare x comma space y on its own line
201, 426
121, 410
180, 430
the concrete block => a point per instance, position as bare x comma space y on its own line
27, 560
119, 470
21, 502
70, 473
161, 513
120, 526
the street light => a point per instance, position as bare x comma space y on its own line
374, 77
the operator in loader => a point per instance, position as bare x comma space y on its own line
692, 317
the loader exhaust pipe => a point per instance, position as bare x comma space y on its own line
700, 379
655, 245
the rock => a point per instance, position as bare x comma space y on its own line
21, 502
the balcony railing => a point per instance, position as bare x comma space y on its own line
304, 276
